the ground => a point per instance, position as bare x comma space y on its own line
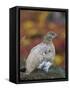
54, 72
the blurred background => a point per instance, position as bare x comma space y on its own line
34, 25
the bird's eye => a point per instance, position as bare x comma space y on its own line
52, 33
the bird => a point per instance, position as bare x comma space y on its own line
42, 55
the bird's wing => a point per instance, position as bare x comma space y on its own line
44, 50
36, 47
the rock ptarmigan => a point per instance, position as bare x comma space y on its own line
42, 55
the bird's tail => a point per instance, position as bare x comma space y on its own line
23, 69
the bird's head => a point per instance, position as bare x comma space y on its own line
50, 36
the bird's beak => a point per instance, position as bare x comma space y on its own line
56, 36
